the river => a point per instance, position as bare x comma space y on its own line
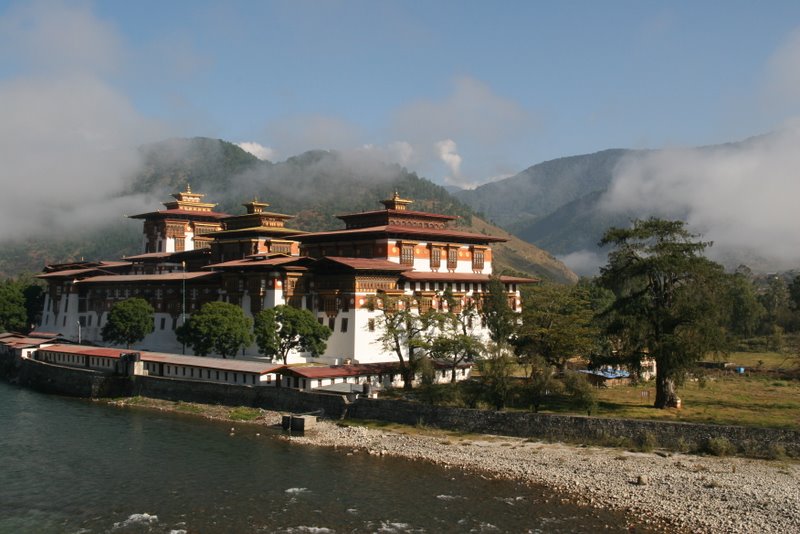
76, 466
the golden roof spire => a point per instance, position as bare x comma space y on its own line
396, 203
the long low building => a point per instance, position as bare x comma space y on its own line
196, 368
218, 370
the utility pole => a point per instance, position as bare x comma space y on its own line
79, 332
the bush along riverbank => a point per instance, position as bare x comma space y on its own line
665, 491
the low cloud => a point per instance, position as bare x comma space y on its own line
584, 262
742, 197
448, 153
68, 138
258, 150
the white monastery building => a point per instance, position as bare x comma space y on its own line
193, 255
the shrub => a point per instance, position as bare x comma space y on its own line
719, 446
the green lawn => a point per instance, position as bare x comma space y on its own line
734, 400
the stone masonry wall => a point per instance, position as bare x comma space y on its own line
676, 436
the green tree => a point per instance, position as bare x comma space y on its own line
557, 324
581, 391
282, 329
666, 297
541, 383
456, 341
745, 311
497, 374
13, 315
218, 327
129, 321
404, 331
500, 319
776, 301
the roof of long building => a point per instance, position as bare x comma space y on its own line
433, 234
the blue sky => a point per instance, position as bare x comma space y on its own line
463, 92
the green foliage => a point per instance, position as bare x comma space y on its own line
541, 383
500, 319
581, 391
497, 374
218, 327
456, 341
745, 311
282, 329
13, 315
719, 447
404, 331
667, 298
557, 324
129, 321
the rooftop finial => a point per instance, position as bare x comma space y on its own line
188, 187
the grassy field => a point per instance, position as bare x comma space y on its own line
757, 398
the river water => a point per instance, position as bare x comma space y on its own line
75, 466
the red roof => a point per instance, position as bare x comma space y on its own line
366, 264
343, 370
247, 366
180, 212
464, 277
434, 234
164, 277
410, 213
256, 261
72, 273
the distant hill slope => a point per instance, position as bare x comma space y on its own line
541, 189
315, 186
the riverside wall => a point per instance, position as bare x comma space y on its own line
62, 380
753, 441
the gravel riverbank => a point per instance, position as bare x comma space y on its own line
665, 491
673, 492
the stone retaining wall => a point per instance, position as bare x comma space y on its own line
751, 441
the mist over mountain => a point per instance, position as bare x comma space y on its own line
314, 186
738, 195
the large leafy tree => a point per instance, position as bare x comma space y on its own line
456, 341
500, 319
666, 294
129, 321
557, 324
282, 329
218, 327
404, 331
13, 314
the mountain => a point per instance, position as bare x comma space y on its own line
314, 186
540, 190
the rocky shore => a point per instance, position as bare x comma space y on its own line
666, 491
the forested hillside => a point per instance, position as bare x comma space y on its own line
314, 186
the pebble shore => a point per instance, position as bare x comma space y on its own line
666, 491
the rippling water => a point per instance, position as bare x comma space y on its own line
74, 466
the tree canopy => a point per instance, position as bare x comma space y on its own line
404, 331
218, 327
13, 315
500, 318
557, 324
129, 321
456, 341
282, 329
666, 294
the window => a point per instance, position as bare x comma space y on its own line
436, 257
452, 258
163, 323
477, 260
332, 323
371, 325
319, 319
407, 255
344, 324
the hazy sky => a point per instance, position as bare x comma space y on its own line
462, 91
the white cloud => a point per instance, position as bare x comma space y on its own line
448, 153
584, 262
68, 138
258, 150
742, 197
